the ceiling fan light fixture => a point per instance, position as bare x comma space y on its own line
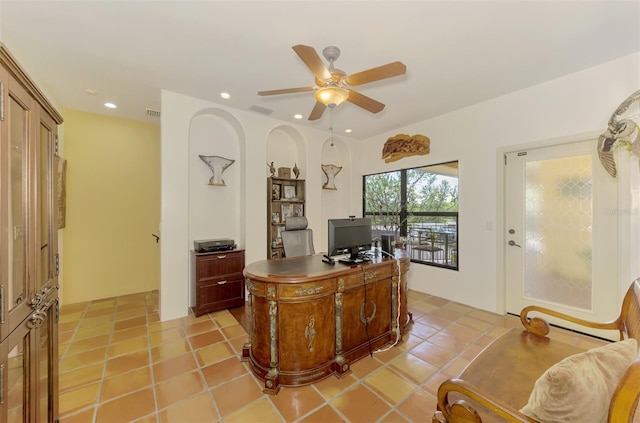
332, 95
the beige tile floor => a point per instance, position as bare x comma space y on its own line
119, 363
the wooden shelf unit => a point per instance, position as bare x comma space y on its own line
281, 203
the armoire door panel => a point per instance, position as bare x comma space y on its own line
16, 373
16, 145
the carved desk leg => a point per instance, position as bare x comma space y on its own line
340, 367
394, 307
246, 348
272, 379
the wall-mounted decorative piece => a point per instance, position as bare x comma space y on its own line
61, 166
296, 170
284, 172
330, 172
272, 169
218, 165
402, 145
623, 133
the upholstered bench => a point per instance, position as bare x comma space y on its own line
525, 376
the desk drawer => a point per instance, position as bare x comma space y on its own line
370, 274
311, 289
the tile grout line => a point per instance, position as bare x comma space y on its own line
151, 371
106, 359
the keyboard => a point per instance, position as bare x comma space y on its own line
351, 262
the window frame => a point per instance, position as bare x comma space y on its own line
404, 217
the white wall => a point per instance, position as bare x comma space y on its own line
565, 107
572, 105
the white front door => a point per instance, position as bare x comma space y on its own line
561, 233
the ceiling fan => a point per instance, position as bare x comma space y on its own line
333, 86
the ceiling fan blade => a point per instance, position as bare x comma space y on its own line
286, 91
317, 111
310, 58
365, 102
375, 74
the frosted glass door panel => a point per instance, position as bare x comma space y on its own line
560, 242
558, 220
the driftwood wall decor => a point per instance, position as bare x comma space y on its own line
624, 132
330, 171
402, 145
218, 165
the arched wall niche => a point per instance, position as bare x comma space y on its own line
286, 148
336, 204
216, 211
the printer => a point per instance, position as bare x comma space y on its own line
211, 245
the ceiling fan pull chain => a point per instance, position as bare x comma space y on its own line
331, 123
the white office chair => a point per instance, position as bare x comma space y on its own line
297, 239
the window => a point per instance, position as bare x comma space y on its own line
419, 207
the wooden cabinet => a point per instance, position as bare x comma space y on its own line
219, 282
28, 249
309, 320
286, 198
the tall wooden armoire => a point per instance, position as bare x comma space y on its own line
29, 261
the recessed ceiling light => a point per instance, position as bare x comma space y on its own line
297, 116
90, 92
348, 131
110, 105
225, 95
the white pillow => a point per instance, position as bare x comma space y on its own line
579, 388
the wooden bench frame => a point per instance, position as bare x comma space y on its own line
456, 396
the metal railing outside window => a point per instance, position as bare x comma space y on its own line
419, 208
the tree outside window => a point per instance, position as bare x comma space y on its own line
419, 207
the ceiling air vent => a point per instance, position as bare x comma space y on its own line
153, 113
259, 109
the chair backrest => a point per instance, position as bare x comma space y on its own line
625, 398
297, 239
630, 315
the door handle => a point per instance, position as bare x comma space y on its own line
513, 244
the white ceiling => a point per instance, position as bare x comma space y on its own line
457, 53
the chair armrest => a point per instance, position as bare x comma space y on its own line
541, 327
461, 411
624, 402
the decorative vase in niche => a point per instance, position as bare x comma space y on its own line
330, 172
218, 165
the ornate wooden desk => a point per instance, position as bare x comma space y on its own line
309, 319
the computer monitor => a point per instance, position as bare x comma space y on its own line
349, 236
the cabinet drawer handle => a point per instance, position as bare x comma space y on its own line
222, 282
221, 257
